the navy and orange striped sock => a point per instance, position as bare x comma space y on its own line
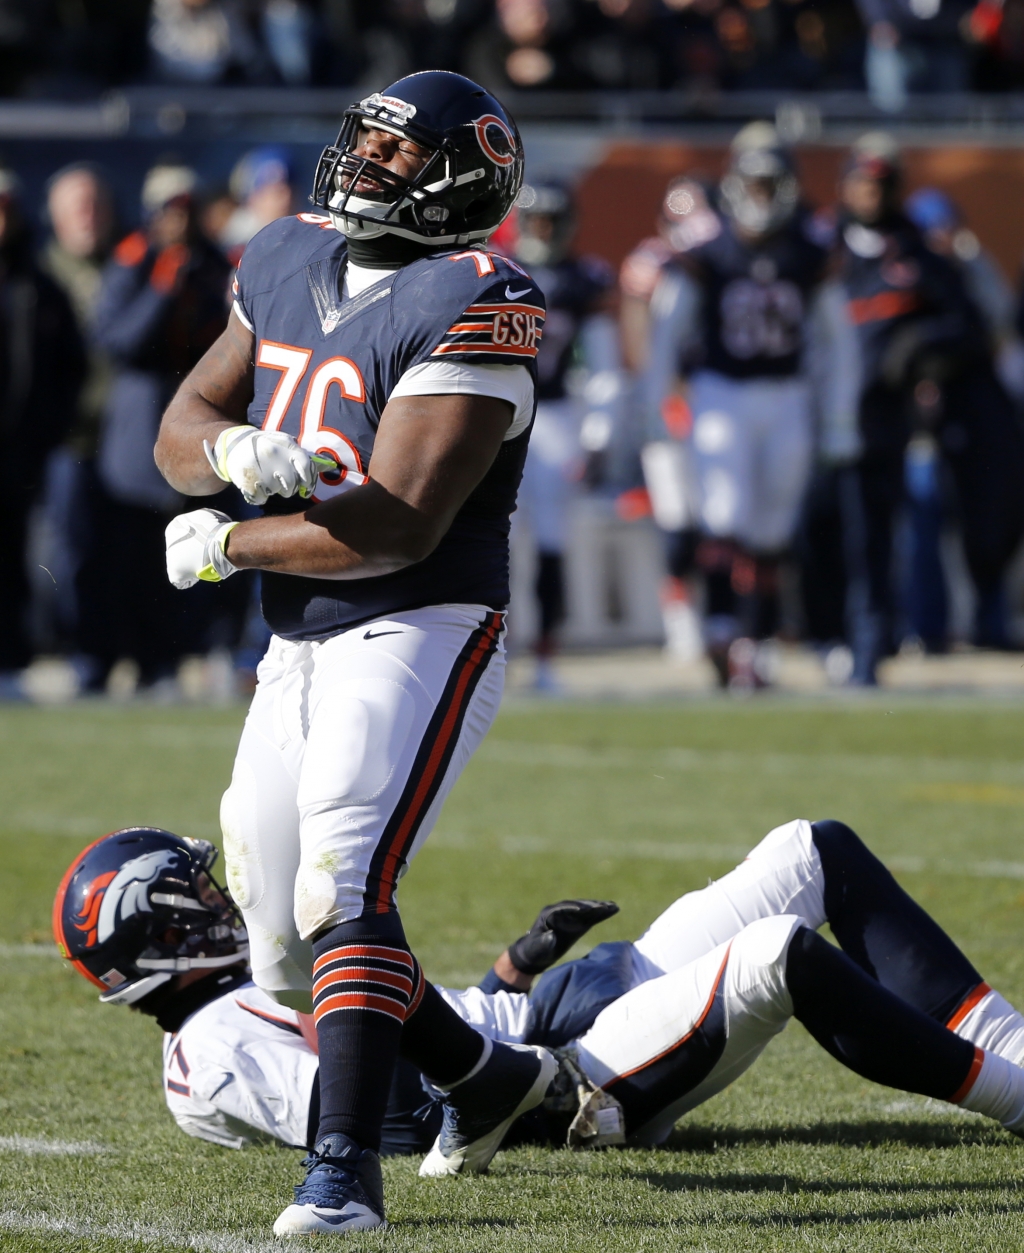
436, 1040
363, 982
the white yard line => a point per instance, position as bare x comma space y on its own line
29, 950
50, 1148
202, 1241
670, 850
907, 768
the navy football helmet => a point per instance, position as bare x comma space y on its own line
760, 191
140, 906
463, 192
546, 220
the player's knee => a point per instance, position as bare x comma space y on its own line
316, 895
282, 967
758, 956
837, 844
242, 864
794, 837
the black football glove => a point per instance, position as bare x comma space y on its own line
556, 930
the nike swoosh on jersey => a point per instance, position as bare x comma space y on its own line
372, 635
514, 295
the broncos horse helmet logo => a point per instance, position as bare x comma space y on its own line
119, 894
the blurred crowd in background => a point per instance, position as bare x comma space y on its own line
802, 407
68, 48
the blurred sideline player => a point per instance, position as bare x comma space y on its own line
926, 365
745, 313
577, 332
646, 1031
374, 392
667, 462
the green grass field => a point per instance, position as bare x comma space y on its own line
636, 803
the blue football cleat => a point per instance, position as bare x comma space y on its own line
342, 1192
479, 1111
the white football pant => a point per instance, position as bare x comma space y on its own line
552, 464
350, 747
709, 973
752, 444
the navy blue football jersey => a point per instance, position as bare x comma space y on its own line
325, 368
755, 296
572, 289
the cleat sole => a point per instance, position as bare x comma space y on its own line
303, 1220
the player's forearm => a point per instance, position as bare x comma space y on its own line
366, 532
507, 973
189, 420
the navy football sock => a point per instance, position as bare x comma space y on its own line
436, 1039
885, 931
363, 978
868, 1028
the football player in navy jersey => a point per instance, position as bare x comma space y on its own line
739, 313
374, 392
577, 291
926, 371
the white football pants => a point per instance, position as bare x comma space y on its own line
549, 475
752, 444
715, 961
350, 747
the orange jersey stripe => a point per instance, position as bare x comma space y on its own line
536, 310
504, 349
880, 308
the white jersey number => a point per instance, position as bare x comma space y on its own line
314, 434
761, 319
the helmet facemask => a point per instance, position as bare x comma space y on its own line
410, 208
462, 191
201, 931
546, 224
760, 192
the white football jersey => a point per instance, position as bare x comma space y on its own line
240, 1069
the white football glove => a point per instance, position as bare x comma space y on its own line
195, 547
263, 463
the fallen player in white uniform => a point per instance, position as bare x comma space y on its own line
645, 1031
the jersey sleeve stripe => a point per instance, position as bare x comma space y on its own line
236, 308
502, 329
488, 349
506, 307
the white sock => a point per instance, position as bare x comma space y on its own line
990, 1021
997, 1090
